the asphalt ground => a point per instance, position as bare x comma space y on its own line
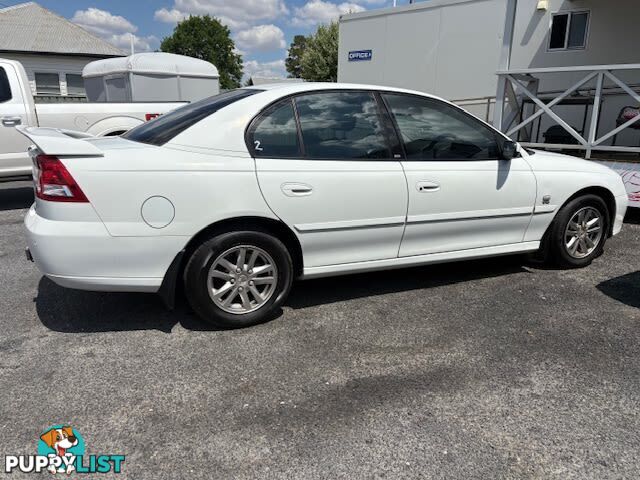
487, 369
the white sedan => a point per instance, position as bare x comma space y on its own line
240, 194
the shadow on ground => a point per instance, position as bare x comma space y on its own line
349, 287
632, 216
16, 198
76, 311
625, 289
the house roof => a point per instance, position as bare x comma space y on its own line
28, 27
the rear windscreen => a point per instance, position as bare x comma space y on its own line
164, 128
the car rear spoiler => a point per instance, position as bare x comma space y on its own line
56, 141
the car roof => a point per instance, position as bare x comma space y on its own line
292, 88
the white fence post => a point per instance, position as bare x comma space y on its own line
595, 115
498, 110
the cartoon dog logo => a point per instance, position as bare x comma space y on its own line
60, 439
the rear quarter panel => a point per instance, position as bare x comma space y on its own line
202, 187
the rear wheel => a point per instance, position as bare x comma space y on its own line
579, 232
238, 279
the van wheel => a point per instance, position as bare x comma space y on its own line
238, 279
579, 232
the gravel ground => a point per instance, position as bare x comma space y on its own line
485, 369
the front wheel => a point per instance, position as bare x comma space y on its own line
579, 232
238, 279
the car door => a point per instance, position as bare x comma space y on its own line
325, 168
462, 194
14, 158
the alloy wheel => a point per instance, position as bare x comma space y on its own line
584, 232
242, 279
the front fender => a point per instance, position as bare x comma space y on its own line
556, 188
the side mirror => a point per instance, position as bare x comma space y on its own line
509, 149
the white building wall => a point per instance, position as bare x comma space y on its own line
447, 48
45, 63
451, 48
611, 37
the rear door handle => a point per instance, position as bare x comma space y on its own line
427, 186
296, 189
11, 121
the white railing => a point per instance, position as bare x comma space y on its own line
480, 106
519, 87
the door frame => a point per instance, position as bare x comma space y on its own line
358, 226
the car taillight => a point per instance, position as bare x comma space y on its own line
151, 116
54, 182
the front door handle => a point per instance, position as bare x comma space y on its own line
11, 121
427, 186
296, 189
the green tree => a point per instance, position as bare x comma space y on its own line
296, 50
207, 39
320, 58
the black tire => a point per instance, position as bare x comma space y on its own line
557, 252
196, 278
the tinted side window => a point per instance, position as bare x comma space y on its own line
341, 125
559, 27
432, 130
275, 134
5, 88
164, 128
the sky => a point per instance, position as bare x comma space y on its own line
262, 29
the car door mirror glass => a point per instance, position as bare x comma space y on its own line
509, 149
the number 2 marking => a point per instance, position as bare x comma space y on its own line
258, 147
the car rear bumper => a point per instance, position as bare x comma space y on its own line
82, 254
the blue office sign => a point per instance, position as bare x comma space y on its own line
360, 55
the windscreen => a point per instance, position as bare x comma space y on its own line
164, 128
